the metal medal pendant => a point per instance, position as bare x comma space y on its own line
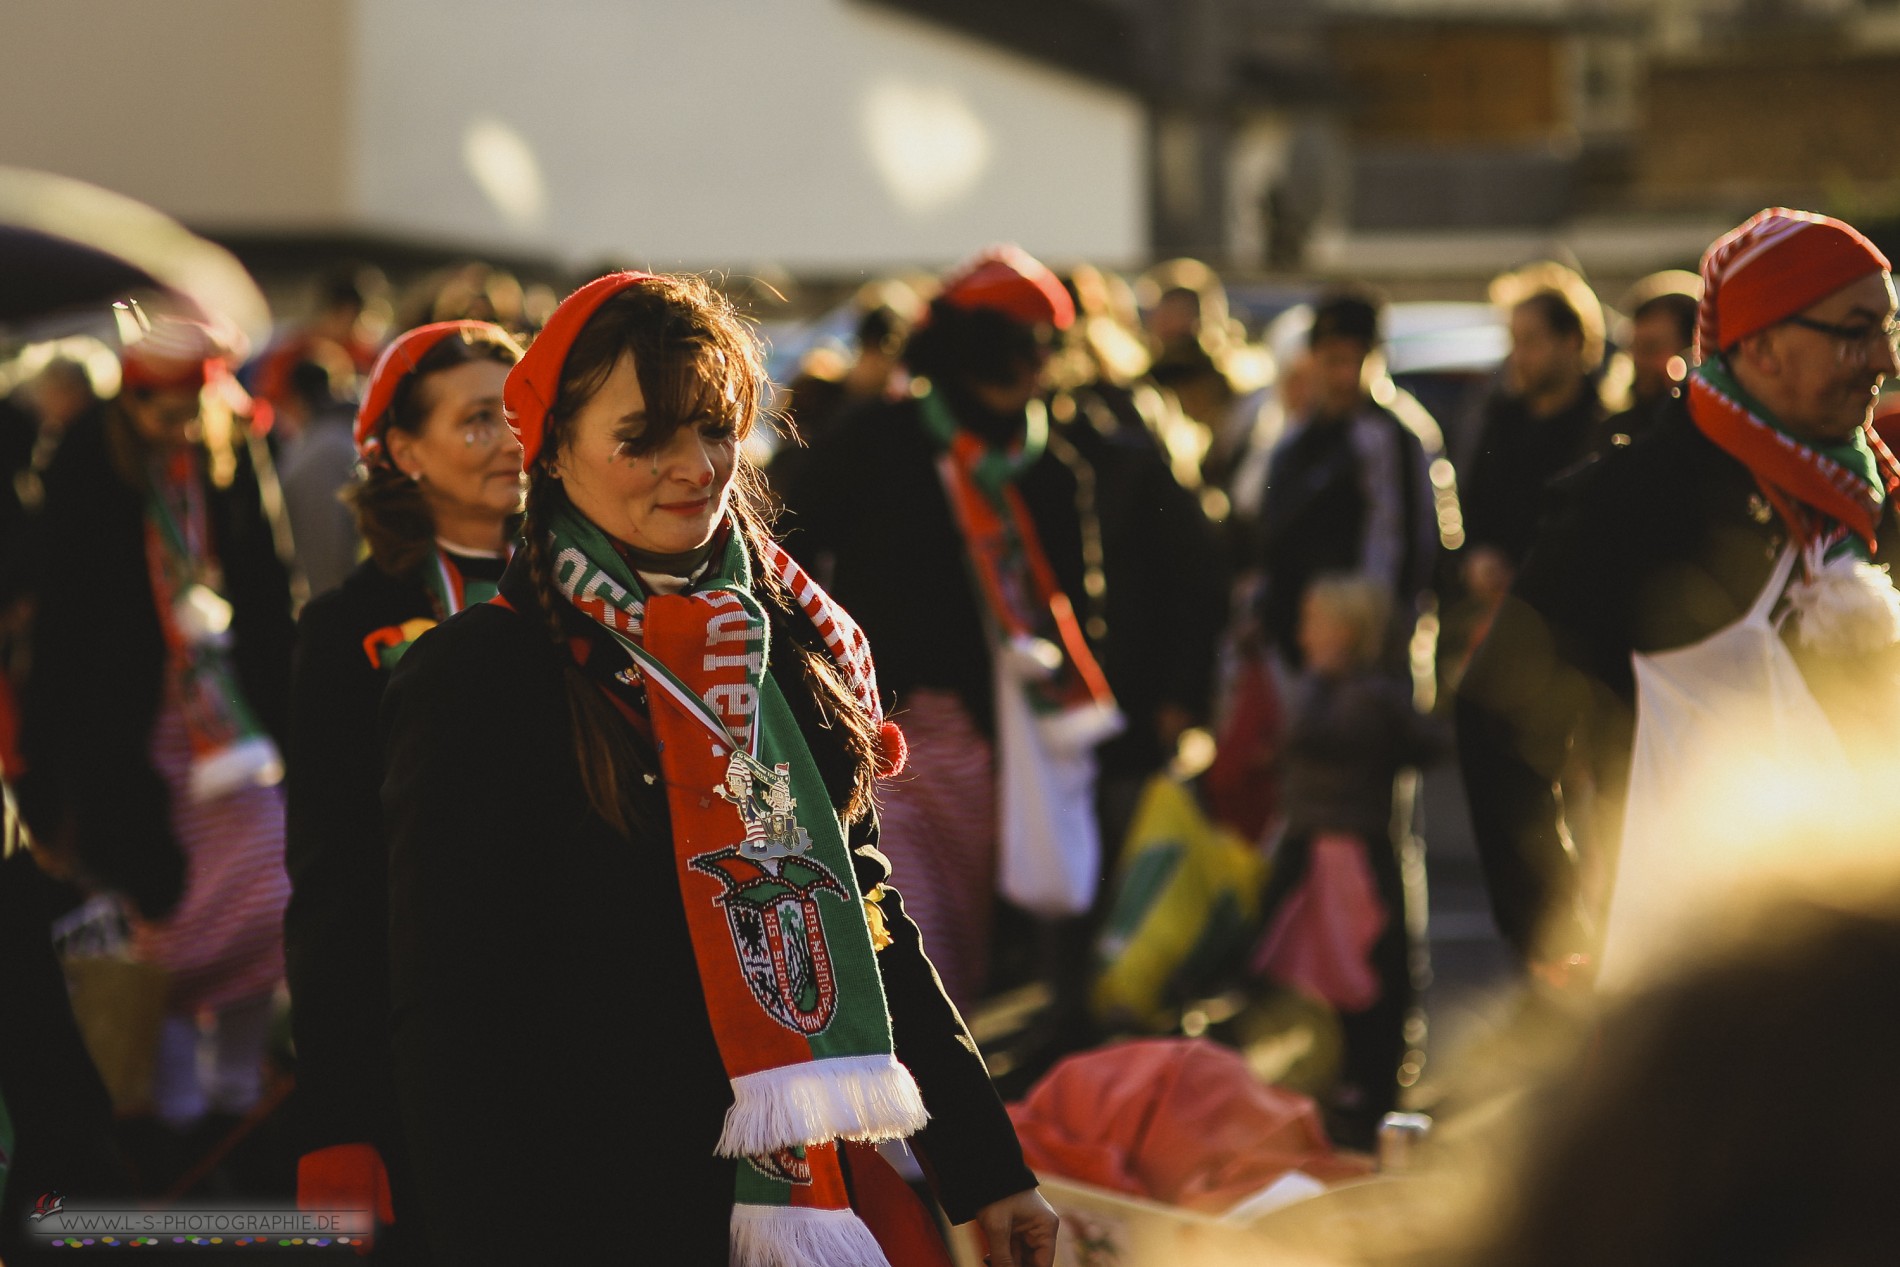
763, 797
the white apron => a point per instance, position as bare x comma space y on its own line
1733, 757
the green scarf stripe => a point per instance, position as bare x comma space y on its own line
998, 466
852, 1031
1855, 454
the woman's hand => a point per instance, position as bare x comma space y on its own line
1020, 1230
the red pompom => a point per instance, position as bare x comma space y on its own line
892, 752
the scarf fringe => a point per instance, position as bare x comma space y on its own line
252, 762
1078, 730
867, 1098
797, 1236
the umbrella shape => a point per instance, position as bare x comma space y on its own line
67, 245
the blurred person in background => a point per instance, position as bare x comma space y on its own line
948, 523
1762, 491
636, 964
317, 462
468, 292
350, 313
1539, 422
1738, 1113
439, 501
1334, 909
1348, 486
1200, 355
1661, 336
1155, 582
160, 667
827, 389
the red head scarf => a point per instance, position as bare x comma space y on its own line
397, 362
533, 381
1773, 266
1007, 279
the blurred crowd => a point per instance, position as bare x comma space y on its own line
1234, 564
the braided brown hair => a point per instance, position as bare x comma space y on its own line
696, 358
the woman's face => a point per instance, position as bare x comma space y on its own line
165, 419
668, 499
467, 456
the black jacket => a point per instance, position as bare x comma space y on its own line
1345, 495
98, 662
870, 518
1166, 598
336, 927
62, 1117
1516, 459
1653, 547
557, 1072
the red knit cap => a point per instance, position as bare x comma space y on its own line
1772, 267
1009, 280
535, 378
397, 362
174, 354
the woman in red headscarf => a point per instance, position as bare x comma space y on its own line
438, 504
161, 655
648, 981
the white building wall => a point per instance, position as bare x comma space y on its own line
810, 134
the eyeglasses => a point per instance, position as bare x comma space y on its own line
1853, 344
482, 433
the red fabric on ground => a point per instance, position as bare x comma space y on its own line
1182, 1121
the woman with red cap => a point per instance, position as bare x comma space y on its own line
646, 967
438, 504
161, 655
953, 524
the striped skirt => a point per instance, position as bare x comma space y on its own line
937, 824
225, 941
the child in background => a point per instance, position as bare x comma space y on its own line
1335, 904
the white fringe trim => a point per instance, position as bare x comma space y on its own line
794, 1236
1079, 729
251, 763
843, 1097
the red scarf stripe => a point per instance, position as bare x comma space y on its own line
846, 642
1804, 486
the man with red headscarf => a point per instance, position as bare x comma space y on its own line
1747, 523
951, 520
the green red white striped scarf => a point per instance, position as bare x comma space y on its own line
1018, 586
772, 902
1830, 497
229, 748
450, 590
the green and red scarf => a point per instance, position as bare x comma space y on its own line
229, 748
1020, 594
778, 925
450, 590
1830, 496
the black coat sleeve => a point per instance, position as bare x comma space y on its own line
336, 939
970, 1144
87, 708
1550, 664
62, 1118
550, 1037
